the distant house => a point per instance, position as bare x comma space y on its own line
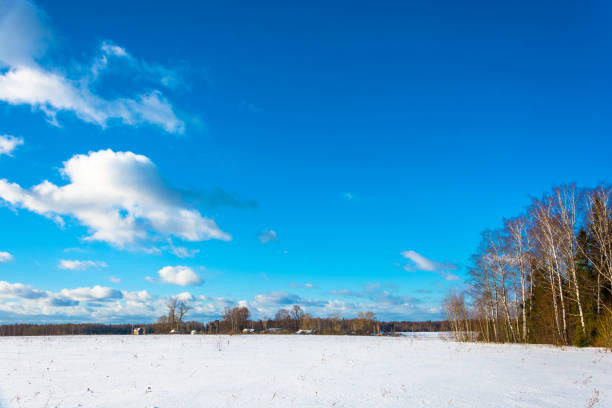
305, 332
248, 331
138, 331
175, 331
194, 332
273, 330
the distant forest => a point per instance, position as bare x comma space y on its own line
545, 276
337, 326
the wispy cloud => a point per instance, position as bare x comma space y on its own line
74, 264
421, 263
24, 37
303, 285
180, 251
119, 197
267, 236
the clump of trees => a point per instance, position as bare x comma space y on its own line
545, 276
173, 320
290, 320
235, 319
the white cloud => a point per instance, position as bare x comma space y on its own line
112, 49
183, 252
115, 279
420, 263
303, 285
81, 304
141, 296
24, 36
267, 236
119, 197
18, 290
51, 93
9, 143
24, 33
450, 276
80, 265
180, 251
5, 257
269, 303
184, 297
179, 275
99, 293
104, 304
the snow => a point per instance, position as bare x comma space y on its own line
296, 371
428, 335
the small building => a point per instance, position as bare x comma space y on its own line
273, 330
194, 332
138, 331
248, 331
305, 331
175, 331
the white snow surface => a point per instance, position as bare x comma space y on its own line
296, 371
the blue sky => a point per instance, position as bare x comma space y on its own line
345, 157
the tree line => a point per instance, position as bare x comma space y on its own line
545, 276
70, 329
290, 320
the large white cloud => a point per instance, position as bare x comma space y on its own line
24, 36
118, 196
98, 293
9, 143
179, 275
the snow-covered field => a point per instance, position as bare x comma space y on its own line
296, 371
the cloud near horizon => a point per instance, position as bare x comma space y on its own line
20, 302
119, 197
25, 37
